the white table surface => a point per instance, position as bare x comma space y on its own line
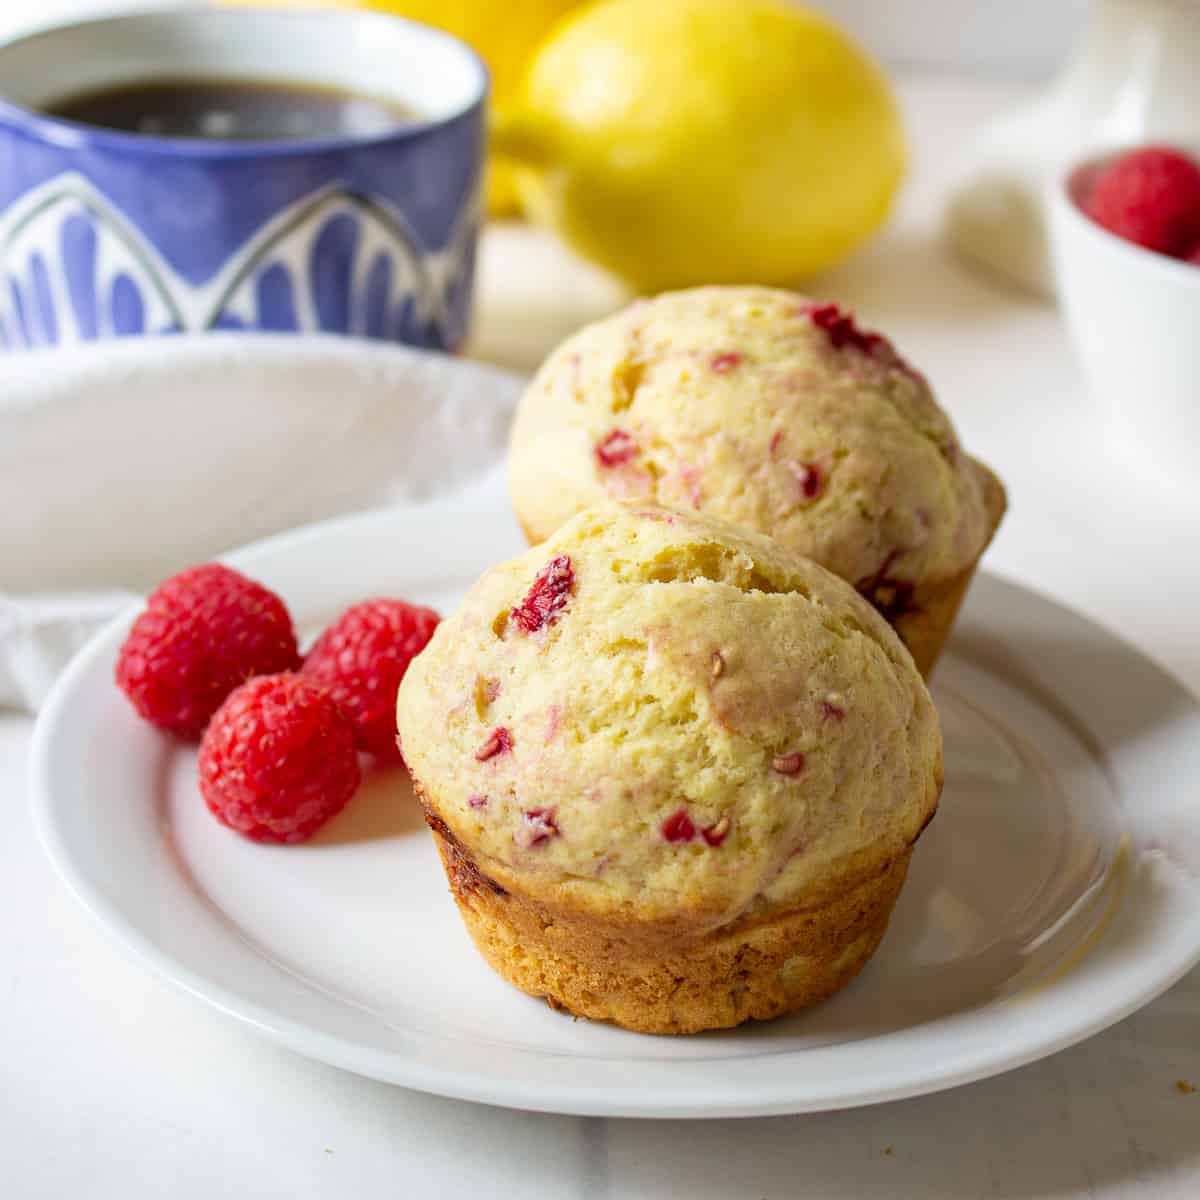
111, 1085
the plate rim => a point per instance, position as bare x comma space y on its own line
989, 1058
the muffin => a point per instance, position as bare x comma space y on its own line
760, 407
674, 771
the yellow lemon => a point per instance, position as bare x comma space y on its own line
505, 36
679, 142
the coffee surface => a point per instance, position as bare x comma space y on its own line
233, 109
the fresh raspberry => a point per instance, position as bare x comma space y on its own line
1194, 257
789, 764
547, 596
1150, 197
278, 759
362, 657
616, 448
202, 632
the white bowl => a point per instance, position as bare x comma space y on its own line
1135, 319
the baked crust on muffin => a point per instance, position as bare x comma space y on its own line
779, 414
674, 771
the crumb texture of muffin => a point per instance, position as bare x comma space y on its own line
674, 771
769, 410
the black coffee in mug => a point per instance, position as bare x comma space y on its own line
233, 109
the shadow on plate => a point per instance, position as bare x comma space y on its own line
383, 807
1124, 691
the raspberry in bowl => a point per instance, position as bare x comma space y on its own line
1150, 197
1125, 242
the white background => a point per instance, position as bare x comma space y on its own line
111, 1086
1020, 36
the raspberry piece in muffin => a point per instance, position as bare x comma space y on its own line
714, 835
788, 764
547, 597
678, 827
539, 827
808, 479
499, 741
843, 331
616, 448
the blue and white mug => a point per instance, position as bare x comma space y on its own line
106, 233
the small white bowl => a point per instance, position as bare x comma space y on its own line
1135, 319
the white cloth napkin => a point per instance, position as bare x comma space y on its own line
120, 464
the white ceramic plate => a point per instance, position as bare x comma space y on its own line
1057, 890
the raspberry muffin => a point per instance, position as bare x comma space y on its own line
781, 415
674, 771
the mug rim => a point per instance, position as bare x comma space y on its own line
70, 134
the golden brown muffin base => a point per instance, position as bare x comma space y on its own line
757, 968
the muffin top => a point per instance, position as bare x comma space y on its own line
763, 408
655, 713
